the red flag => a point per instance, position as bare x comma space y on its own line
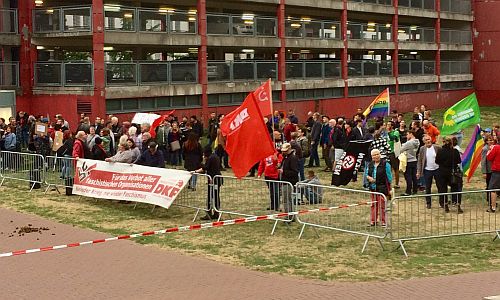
158, 122
247, 138
264, 98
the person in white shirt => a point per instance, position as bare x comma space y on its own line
427, 167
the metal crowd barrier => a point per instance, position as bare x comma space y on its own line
59, 172
351, 211
196, 194
253, 197
24, 167
412, 220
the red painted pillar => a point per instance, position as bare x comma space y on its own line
282, 50
27, 55
202, 57
343, 25
395, 55
99, 98
438, 42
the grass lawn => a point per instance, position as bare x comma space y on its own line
331, 256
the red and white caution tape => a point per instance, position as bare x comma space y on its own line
183, 228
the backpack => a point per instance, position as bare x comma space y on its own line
304, 145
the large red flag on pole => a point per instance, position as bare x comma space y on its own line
264, 98
247, 138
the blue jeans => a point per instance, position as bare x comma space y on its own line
428, 176
411, 177
192, 182
314, 159
301, 164
174, 157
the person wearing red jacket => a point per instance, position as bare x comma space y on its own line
288, 129
494, 157
78, 146
269, 167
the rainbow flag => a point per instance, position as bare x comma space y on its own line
379, 107
472, 155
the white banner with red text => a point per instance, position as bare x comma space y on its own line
119, 181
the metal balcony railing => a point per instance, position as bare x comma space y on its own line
8, 21
62, 19
420, 4
361, 68
456, 6
64, 74
416, 34
461, 37
305, 28
9, 74
455, 67
132, 19
246, 25
313, 69
230, 71
369, 31
412, 67
151, 72
380, 2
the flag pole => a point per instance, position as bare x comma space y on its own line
272, 112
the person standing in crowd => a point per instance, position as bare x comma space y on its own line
306, 151
10, 139
288, 129
410, 148
378, 178
289, 173
152, 157
393, 136
196, 127
97, 124
293, 118
493, 156
309, 122
448, 159
91, 136
298, 152
79, 145
123, 155
146, 139
401, 129
174, 140
213, 124
98, 151
162, 138
419, 132
65, 152
328, 146
269, 168
486, 164
84, 125
431, 130
106, 140
427, 167
315, 137
22, 130
325, 138
112, 141
339, 141
220, 147
132, 131
212, 167
193, 157
115, 129
381, 144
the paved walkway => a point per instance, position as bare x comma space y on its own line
127, 270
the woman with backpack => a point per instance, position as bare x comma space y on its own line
378, 178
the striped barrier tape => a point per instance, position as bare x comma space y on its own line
184, 228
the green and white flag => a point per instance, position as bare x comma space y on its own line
461, 115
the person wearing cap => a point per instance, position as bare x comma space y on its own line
153, 157
289, 173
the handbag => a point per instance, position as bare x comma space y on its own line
403, 161
175, 145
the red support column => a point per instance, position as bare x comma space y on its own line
438, 42
99, 98
282, 50
27, 55
395, 55
202, 56
343, 25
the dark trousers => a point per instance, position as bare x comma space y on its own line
411, 177
326, 156
274, 193
428, 176
444, 180
488, 195
314, 159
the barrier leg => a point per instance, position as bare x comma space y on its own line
302, 231
274, 227
135, 205
380, 243
366, 243
497, 236
401, 245
154, 206
196, 215
32, 186
3, 179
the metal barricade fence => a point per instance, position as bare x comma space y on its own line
253, 197
196, 194
59, 172
352, 211
25, 167
414, 219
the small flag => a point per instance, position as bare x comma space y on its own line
264, 97
379, 107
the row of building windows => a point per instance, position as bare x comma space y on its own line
160, 103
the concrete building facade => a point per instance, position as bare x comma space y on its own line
199, 56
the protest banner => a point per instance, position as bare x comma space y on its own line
58, 140
348, 165
117, 181
41, 128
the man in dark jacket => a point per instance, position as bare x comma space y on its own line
315, 136
212, 167
289, 173
213, 124
197, 127
152, 157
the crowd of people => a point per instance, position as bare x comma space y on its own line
177, 142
